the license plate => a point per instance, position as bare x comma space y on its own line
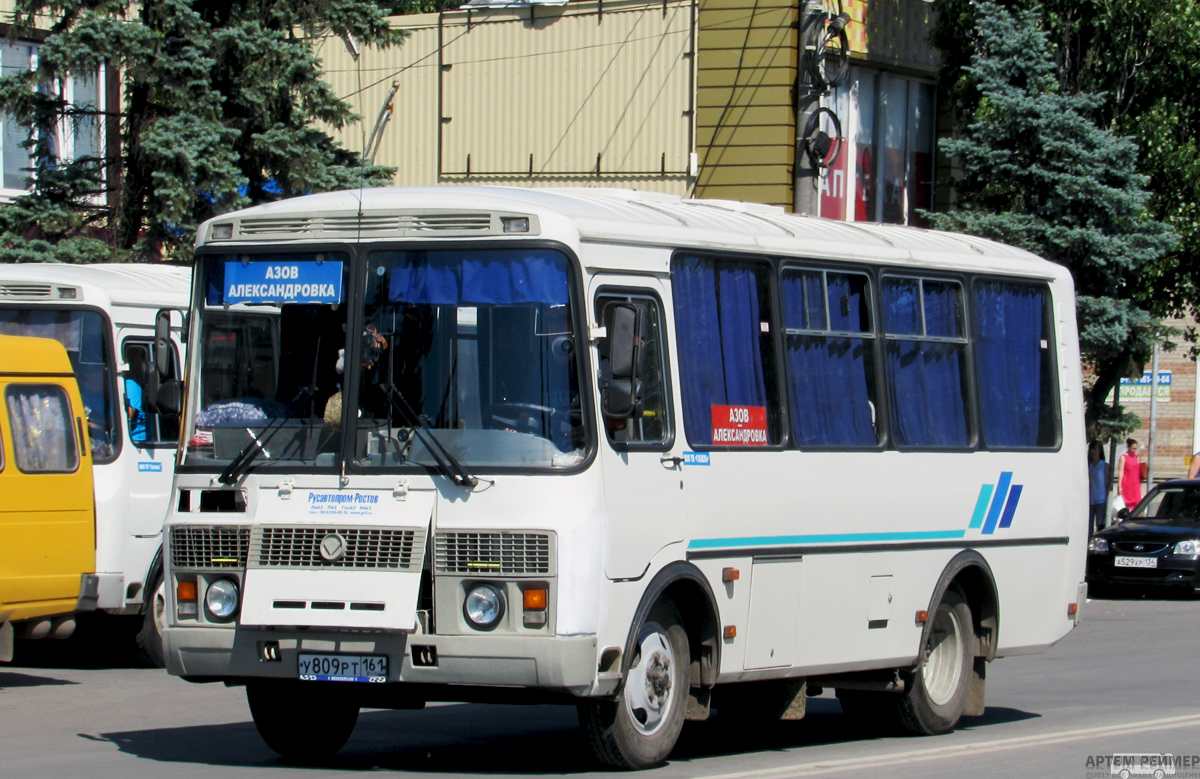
1136, 562
343, 668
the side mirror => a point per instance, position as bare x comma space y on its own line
170, 398
162, 343
627, 333
1122, 513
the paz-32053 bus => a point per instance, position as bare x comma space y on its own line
651, 456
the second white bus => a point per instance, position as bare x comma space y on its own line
104, 315
651, 456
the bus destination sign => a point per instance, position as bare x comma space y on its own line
298, 281
739, 425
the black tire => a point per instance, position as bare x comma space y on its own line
302, 721
640, 726
936, 691
148, 640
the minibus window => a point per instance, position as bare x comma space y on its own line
43, 428
830, 358
726, 352
652, 426
142, 423
1014, 364
923, 326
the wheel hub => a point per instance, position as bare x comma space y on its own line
650, 683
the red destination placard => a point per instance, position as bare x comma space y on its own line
739, 425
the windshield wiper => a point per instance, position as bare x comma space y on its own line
240, 464
447, 462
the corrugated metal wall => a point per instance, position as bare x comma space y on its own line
583, 94
746, 117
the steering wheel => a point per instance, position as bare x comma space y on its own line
521, 418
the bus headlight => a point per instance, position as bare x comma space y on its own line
484, 606
221, 600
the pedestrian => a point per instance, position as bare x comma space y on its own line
1130, 470
1097, 487
1194, 465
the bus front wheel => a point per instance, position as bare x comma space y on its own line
302, 721
639, 727
149, 636
937, 693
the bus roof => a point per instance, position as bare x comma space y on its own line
28, 355
124, 284
609, 216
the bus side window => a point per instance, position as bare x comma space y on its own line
925, 347
652, 426
137, 406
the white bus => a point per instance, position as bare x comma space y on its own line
105, 317
650, 456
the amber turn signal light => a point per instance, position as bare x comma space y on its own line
535, 599
186, 591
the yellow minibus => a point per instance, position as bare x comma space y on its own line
47, 515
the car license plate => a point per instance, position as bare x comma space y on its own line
343, 668
1136, 562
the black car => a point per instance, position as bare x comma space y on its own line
1156, 544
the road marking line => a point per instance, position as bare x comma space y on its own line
941, 753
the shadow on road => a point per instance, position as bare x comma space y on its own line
493, 740
10, 680
99, 641
1133, 593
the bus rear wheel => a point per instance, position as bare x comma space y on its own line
301, 721
639, 727
934, 699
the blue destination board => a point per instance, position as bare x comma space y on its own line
289, 281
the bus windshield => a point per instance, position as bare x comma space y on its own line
271, 329
477, 346
467, 353
86, 336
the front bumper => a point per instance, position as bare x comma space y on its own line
558, 662
1170, 571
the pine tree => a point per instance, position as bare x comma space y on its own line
1034, 170
222, 105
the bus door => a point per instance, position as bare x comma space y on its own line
152, 437
641, 459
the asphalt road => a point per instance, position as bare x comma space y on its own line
1125, 681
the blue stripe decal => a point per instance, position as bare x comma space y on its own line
1010, 508
825, 538
997, 503
985, 495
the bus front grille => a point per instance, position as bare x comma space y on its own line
493, 554
379, 548
218, 546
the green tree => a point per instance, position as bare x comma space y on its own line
222, 101
1034, 170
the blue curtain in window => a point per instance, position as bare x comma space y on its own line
495, 277
1009, 322
717, 323
926, 387
827, 375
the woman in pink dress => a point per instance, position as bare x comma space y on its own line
1131, 475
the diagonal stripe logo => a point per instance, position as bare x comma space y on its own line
996, 505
